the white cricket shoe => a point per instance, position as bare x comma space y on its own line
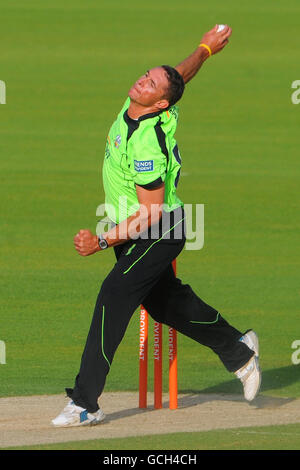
250, 374
73, 415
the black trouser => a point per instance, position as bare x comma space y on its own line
143, 274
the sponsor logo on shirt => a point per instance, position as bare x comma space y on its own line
174, 111
143, 165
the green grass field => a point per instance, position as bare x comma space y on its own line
255, 438
67, 68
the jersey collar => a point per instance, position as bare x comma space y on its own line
142, 118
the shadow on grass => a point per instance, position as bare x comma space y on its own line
232, 390
272, 379
229, 391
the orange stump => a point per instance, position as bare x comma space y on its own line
173, 369
158, 348
173, 383
143, 359
158, 365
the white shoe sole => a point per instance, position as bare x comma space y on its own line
250, 338
251, 392
72, 425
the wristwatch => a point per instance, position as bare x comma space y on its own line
102, 242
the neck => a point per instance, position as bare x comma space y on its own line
135, 110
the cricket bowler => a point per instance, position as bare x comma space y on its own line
141, 170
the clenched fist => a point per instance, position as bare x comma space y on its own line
86, 243
217, 41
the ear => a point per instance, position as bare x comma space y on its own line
162, 104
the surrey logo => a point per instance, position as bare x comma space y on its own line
118, 141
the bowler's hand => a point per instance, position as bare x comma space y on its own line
86, 243
217, 41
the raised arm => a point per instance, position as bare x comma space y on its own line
213, 42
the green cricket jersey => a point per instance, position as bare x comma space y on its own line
140, 152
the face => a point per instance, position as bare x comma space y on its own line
150, 89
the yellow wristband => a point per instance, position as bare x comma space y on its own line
206, 47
